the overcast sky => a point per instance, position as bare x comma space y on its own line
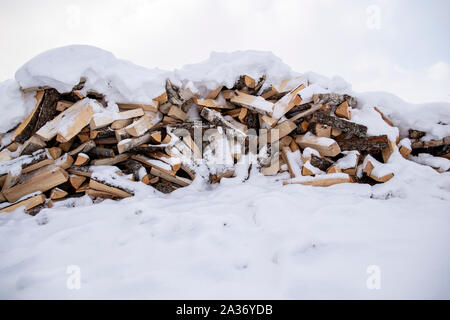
397, 46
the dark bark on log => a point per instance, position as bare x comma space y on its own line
334, 99
173, 94
47, 110
98, 152
350, 128
416, 134
321, 163
252, 120
84, 171
103, 133
133, 167
369, 144
164, 186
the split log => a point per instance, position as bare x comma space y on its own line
120, 193
128, 144
214, 93
119, 124
320, 162
69, 122
110, 161
65, 161
46, 179
55, 152
343, 111
153, 163
43, 112
290, 100
303, 114
63, 105
57, 193
135, 168
334, 99
132, 106
31, 145
348, 127
101, 133
27, 203
326, 147
177, 113
101, 120
76, 181
324, 180
184, 182
81, 171
82, 159
255, 103
83, 148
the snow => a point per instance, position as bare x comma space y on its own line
349, 160
440, 163
248, 237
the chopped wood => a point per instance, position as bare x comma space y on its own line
370, 164
416, 134
153, 163
348, 127
139, 127
37, 165
286, 103
387, 152
110, 161
334, 99
322, 130
101, 194
128, 144
184, 182
81, 171
63, 105
76, 181
161, 99
132, 106
27, 203
83, 148
31, 145
405, 151
57, 193
320, 162
97, 185
303, 114
343, 111
26, 128
82, 159
46, 179
65, 146
100, 152
156, 136
255, 103
65, 161
69, 122
369, 144
214, 93
322, 180
284, 154
334, 169
119, 124
327, 147
101, 120
177, 113
270, 121
281, 130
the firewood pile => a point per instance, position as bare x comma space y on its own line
52, 154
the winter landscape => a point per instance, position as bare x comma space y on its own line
236, 177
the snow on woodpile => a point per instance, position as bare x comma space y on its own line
82, 122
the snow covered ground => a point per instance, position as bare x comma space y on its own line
252, 239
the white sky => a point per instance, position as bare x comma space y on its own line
398, 46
